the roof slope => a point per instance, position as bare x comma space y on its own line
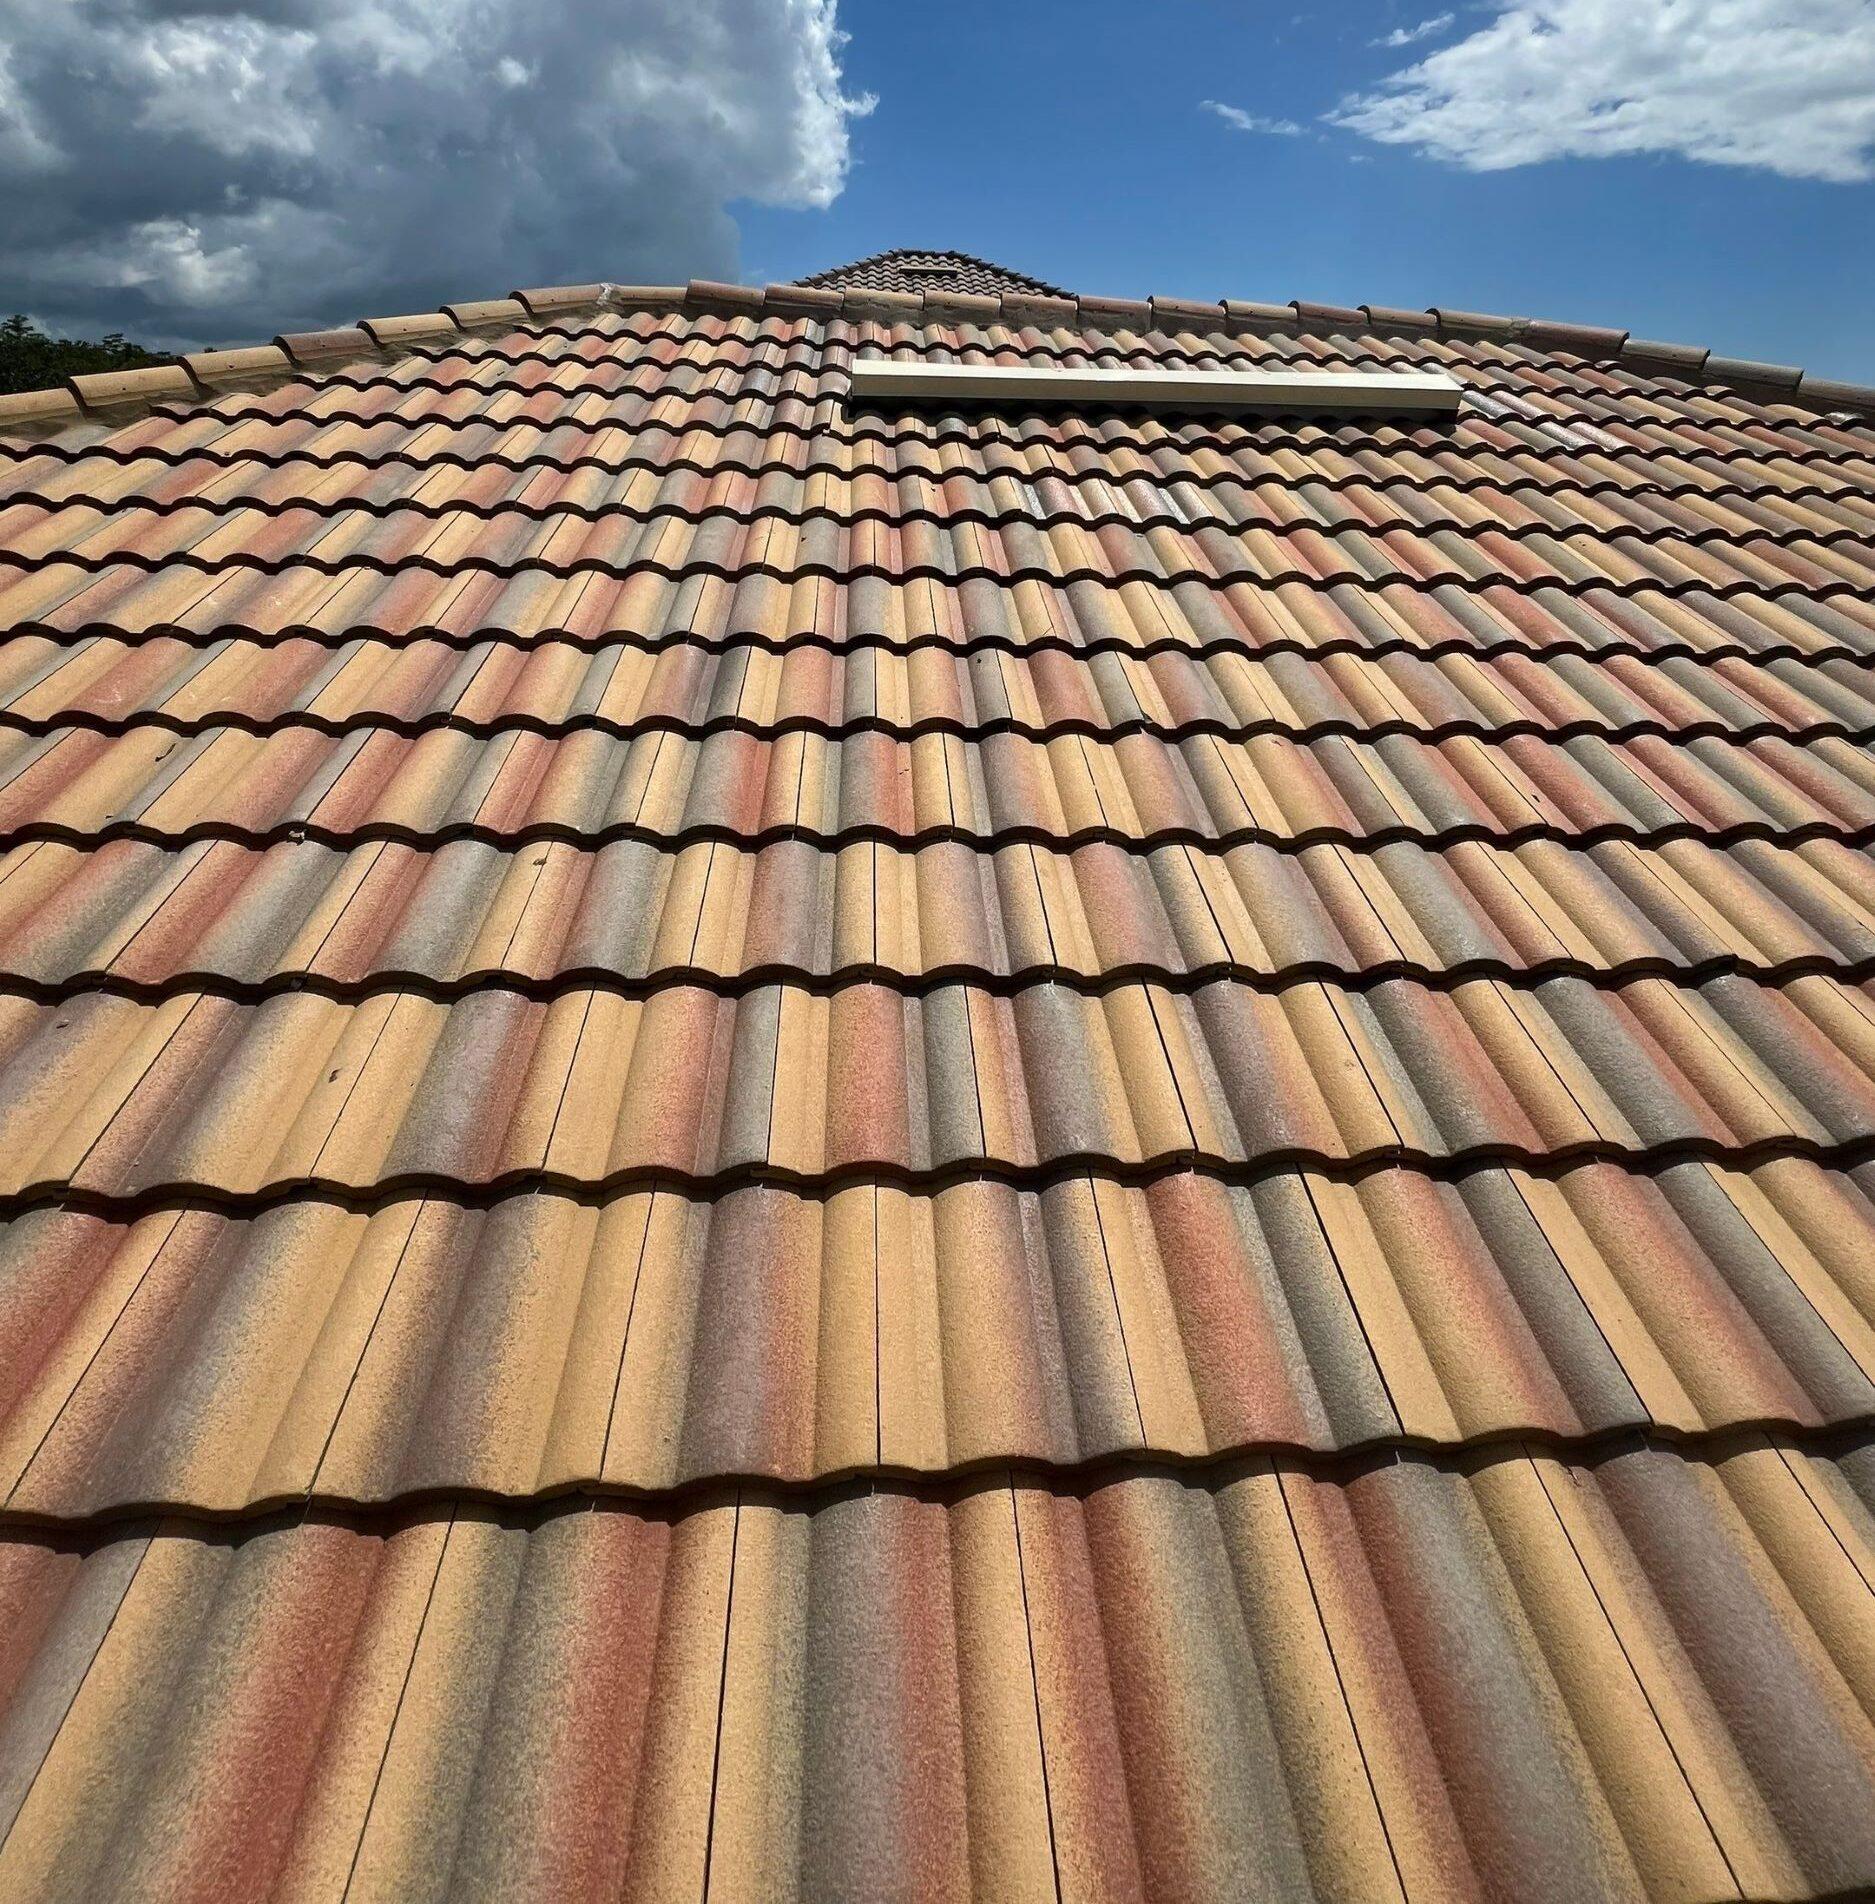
918, 271
754, 1147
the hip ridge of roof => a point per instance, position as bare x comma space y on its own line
117, 396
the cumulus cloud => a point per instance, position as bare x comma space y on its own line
1406, 35
1784, 85
197, 170
1241, 121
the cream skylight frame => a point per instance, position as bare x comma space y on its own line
1415, 392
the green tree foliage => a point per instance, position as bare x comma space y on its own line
30, 360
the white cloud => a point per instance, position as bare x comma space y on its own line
1784, 85
1406, 35
1242, 121
197, 170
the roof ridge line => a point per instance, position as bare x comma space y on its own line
116, 396
834, 276
1704, 1446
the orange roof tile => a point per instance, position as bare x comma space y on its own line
755, 1147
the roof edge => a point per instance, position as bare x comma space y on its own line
114, 397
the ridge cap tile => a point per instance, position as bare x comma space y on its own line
1585, 340
483, 312
800, 300
1338, 314
55, 400
309, 348
112, 389
1692, 356
1744, 370
733, 299
863, 301
549, 300
1477, 323
1836, 392
1135, 312
1183, 311
1401, 320
642, 297
419, 327
242, 366
961, 307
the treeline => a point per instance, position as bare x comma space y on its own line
30, 360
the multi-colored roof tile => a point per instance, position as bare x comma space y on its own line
929, 271
750, 1148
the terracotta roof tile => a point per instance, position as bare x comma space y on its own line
657, 1339
112, 684
125, 1099
592, 786
746, 1145
1500, 1669
138, 918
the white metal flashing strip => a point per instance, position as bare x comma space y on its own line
882, 379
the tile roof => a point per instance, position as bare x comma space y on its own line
929, 271
747, 1148
1470, 1680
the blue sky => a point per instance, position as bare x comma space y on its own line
212, 171
1072, 142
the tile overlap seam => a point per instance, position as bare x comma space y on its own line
537, 832
1455, 1165
1068, 1479
398, 980
461, 569
681, 727
1772, 648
